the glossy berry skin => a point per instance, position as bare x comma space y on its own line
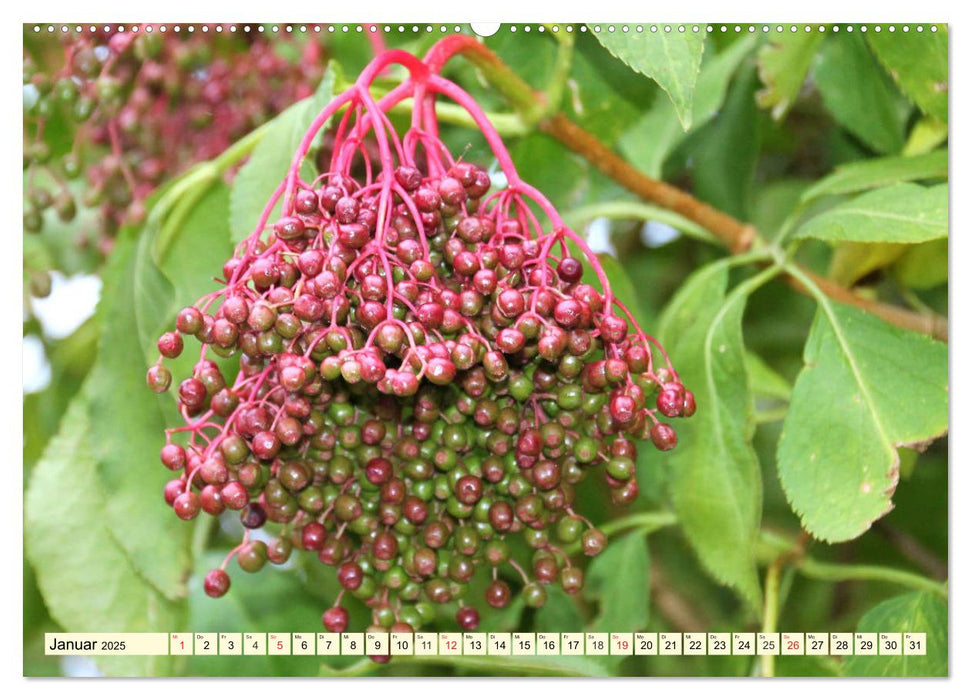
378, 471
335, 619
192, 393
173, 457
469, 490
313, 536
663, 436
253, 516
671, 400
216, 583
158, 378
187, 505
689, 405
467, 618
572, 580
170, 345
570, 270
173, 489
234, 495
189, 321
534, 595
593, 542
279, 551
498, 594
350, 576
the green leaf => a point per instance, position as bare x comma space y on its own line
560, 614
192, 255
624, 599
271, 159
88, 582
672, 59
924, 265
714, 474
635, 211
648, 142
138, 303
722, 158
917, 61
858, 93
783, 65
564, 178
128, 426
139, 300
880, 172
764, 380
866, 389
913, 612
853, 261
904, 213
517, 49
602, 94
927, 134
773, 204
506, 619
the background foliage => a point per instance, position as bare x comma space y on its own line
808, 494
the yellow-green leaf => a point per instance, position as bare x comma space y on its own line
783, 65
880, 172
924, 265
858, 93
852, 261
914, 612
656, 134
88, 582
867, 388
904, 213
917, 61
714, 477
624, 600
672, 59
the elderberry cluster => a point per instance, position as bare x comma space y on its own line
140, 107
424, 374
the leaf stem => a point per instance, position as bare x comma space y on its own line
824, 289
203, 174
650, 521
638, 211
561, 73
506, 124
770, 613
824, 571
772, 545
643, 523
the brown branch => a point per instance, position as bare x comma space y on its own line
927, 323
735, 235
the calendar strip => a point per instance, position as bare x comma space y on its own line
488, 644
